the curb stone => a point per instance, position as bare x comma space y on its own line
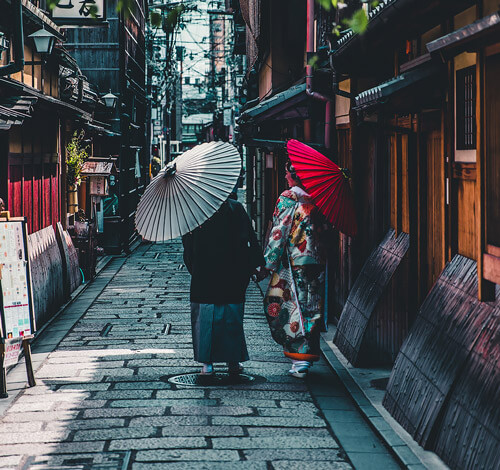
398, 448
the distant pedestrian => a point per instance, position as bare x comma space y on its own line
294, 300
221, 255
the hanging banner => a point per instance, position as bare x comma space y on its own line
79, 11
16, 299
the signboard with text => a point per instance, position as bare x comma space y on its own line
79, 11
16, 299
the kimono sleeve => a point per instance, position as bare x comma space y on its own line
278, 238
187, 242
251, 254
255, 250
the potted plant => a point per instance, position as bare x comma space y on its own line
76, 156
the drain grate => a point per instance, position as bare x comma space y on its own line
104, 461
219, 379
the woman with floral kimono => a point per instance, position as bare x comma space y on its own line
295, 297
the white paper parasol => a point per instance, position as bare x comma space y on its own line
188, 191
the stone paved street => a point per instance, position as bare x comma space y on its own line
103, 401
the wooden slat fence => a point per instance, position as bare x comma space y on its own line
444, 387
54, 270
46, 273
468, 435
368, 289
71, 269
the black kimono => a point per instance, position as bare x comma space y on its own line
221, 255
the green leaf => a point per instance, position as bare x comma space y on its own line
336, 30
124, 7
93, 11
155, 19
375, 3
326, 4
358, 22
51, 4
76, 156
313, 61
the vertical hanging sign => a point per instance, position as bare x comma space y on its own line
17, 319
16, 300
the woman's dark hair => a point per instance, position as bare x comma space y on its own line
292, 171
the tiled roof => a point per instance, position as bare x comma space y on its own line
14, 110
375, 12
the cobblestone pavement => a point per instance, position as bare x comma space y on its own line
103, 401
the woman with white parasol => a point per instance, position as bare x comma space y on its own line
193, 197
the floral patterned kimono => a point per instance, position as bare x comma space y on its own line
295, 297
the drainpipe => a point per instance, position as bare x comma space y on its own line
258, 194
18, 38
309, 79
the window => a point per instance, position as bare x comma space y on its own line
466, 108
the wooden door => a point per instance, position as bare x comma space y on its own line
400, 200
434, 216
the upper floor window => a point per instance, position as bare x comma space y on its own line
466, 108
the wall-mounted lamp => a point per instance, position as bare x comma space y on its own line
110, 100
44, 41
4, 43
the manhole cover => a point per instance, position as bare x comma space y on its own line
219, 379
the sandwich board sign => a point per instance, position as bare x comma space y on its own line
17, 319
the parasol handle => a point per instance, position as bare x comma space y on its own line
170, 170
347, 173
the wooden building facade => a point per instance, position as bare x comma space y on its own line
36, 109
111, 54
421, 122
414, 102
30, 119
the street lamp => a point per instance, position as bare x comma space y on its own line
4, 44
44, 41
110, 100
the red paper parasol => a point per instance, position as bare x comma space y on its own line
327, 183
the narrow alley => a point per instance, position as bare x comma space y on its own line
103, 399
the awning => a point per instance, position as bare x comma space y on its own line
9, 117
381, 94
469, 38
62, 106
14, 110
273, 145
275, 104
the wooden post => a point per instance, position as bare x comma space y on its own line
399, 183
3, 375
486, 290
29, 365
421, 200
